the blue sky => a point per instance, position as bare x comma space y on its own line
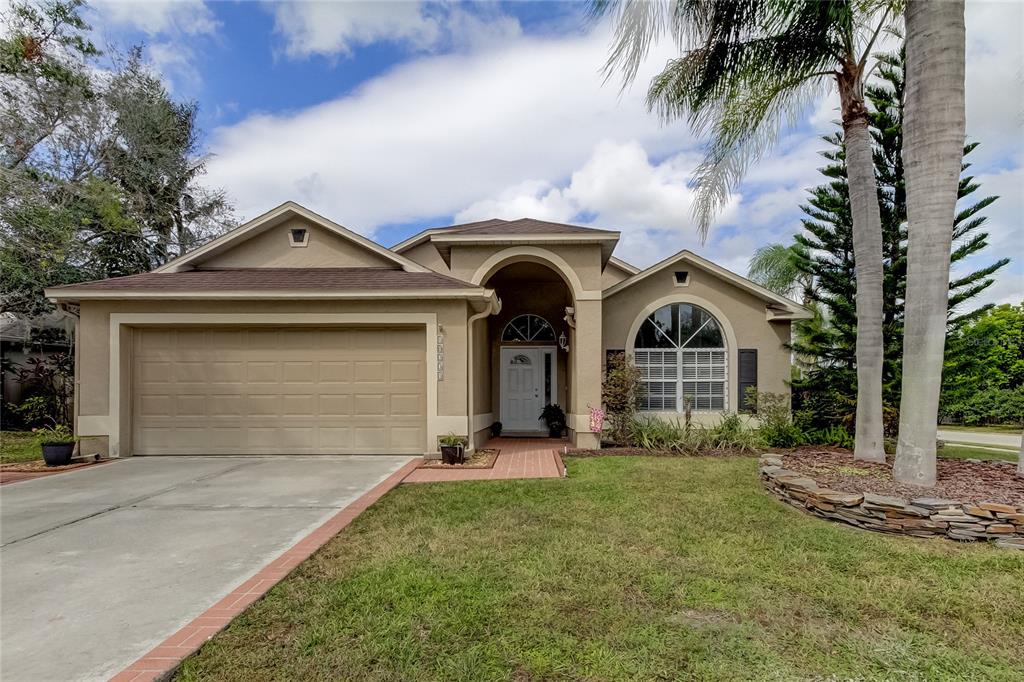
393, 116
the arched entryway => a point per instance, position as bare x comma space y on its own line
527, 347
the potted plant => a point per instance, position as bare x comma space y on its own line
452, 449
58, 444
554, 417
495, 429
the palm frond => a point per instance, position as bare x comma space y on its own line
777, 267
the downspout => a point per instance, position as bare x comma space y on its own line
493, 308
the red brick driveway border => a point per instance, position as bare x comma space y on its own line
542, 461
8, 475
164, 659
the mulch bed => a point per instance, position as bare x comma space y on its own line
40, 466
37, 468
480, 459
958, 479
614, 451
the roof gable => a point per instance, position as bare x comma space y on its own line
783, 307
497, 231
498, 227
263, 242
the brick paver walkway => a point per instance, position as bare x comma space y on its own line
518, 458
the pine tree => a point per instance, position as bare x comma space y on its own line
827, 239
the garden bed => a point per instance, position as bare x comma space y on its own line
479, 459
971, 501
40, 466
989, 481
616, 451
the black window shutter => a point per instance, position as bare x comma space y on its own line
747, 375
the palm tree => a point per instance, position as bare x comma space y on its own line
934, 126
777, 267
748, 66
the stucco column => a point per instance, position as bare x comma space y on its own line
586, 371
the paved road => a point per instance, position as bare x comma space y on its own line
990, 438
100, 565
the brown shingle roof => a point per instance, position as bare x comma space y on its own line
520, 226
268, 279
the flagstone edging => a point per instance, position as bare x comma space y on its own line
927, 517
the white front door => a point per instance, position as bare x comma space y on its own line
527, 385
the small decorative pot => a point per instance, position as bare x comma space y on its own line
57, 454
452, 454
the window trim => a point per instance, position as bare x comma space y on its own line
534, 338
729, 334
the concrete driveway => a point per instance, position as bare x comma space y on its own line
98, 566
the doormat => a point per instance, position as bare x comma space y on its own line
480, 459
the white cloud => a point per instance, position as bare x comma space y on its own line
328, 28
336, 28
617, 188
159, 17
617, 184
440, 133
176, 63
172, 29
995, 79
512, 125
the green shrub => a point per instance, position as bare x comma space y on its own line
834, 435
993, 406
731, 433
621, 392
32, 412
776, 429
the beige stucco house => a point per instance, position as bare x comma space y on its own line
293, 334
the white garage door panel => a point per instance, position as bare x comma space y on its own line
279, 391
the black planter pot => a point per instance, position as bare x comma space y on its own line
452, 454
555, 430
57, 454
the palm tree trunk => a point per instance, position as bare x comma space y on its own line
932, 153
867, 254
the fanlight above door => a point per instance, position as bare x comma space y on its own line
528, 328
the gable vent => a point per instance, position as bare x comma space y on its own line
298, 236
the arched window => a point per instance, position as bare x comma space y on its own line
528, 328
680, 351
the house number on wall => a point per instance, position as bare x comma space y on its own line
440, 353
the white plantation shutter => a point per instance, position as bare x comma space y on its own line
659, 370
671, 375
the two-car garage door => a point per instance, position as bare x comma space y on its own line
261, 390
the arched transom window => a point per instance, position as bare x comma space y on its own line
528, 328
680, 351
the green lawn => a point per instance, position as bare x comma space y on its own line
969, 452
19, 446
632, 568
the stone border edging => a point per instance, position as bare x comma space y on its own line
165, 658
920, 517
